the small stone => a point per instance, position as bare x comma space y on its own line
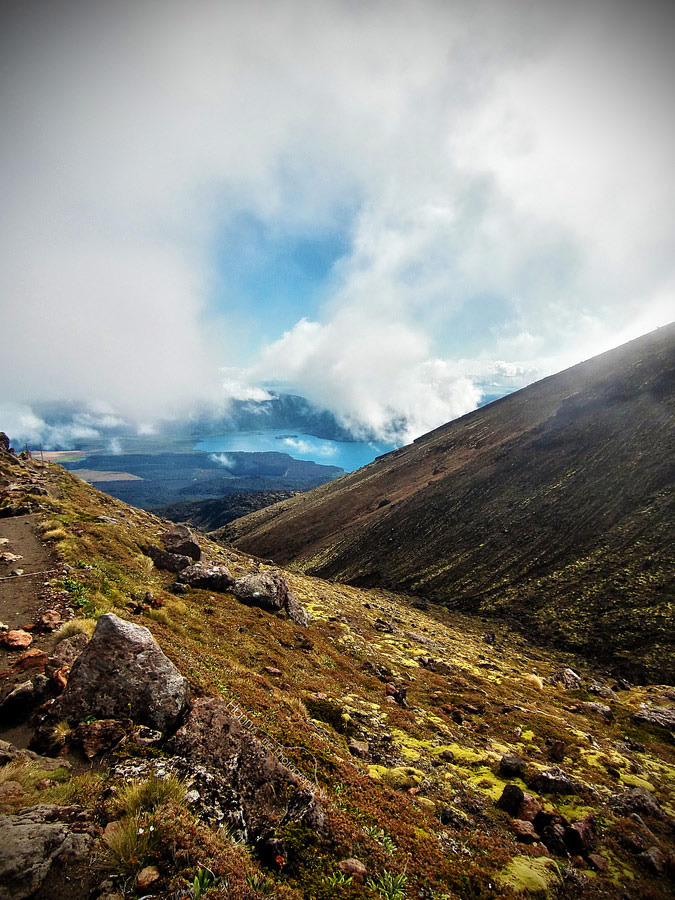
427, 804
511, 798
49, 620
446, 755
272, 671
601, 710
17, 639
511, 766
556, 752
524, 831
110, 831
182, 541
32, 659
553, 838
10, 791
359, 748
654, 860
147, 876
553, 781
353, 868
599, 863
97, 737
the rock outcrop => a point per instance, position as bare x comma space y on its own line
122, 673
181, 541
37, 839
209, 578
256, 793
270, 591
171, 562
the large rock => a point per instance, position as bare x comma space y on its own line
270, 591
122, 673
565, 677
256, 793
171, 562
210, 578
553, 781
36, 840
182, 541
637, 801
663, 716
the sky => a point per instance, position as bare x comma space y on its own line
390, 207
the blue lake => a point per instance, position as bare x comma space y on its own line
348, 455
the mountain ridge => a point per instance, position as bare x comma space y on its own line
550, 507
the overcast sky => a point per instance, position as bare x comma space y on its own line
389, 206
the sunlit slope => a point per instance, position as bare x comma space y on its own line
551, 507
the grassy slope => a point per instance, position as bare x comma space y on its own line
327, 693
551, 507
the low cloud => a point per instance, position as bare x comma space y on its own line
224, 460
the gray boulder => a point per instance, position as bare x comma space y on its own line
37, 840
565, 677
663, 716
171, 562
210, 578
66, 651
270, 591
122, 673
182, 541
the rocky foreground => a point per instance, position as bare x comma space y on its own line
183, 720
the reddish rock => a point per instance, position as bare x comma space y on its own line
32, 659
353, 868
529, 808
97, 737
17, 639
272, 671
359, 748
147, 876
581, 837
654, 860
524, 831
49, 620
511, 798
599, 863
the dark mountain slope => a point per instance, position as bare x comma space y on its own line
551, 507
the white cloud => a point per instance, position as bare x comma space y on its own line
505, 170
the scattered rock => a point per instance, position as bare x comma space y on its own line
398, 693
529, 808
253, 791
581, 837
123, 673
601, 690
97, 737
599, 863
450, 815
353, 868
599, 709
31, 659
359, 748
511, 799
565, 677
17, 639
182, 541
276, 673
296, 611
210, 578
10, 791
147, 876
8, 753
66, 651
33, 840
18, 704
49, 620
553, 781
663, 716
524, 831
511, 766
556, 752
553, 838
170, 562
654, 860
265, 589
638, 800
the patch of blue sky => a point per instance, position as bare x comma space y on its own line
269, 278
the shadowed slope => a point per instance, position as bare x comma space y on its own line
551, 507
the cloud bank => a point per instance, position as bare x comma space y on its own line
499, 174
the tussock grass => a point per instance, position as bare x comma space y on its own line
147, 796
75, 626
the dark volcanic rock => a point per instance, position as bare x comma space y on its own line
553, 781
35, 839
601, 710
270, 591
256, 793
182, 541
171, 562
663, 716
66, 651
511, 766
581, 837
96, 737
511, 798
638, 800
565, 677
210, 578
122, 673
